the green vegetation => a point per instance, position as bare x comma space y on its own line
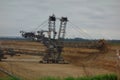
115, 44
99, 77
9, 78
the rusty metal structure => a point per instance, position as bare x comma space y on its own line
53, 40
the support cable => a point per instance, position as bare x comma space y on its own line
46, 21
80, 30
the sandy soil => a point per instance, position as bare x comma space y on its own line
32, 69
83, 62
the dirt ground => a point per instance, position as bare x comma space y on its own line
83, 62
30, 68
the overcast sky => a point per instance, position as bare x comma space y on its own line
96, 18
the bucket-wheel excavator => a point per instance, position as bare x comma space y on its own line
53, 40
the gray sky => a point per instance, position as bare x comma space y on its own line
97, 18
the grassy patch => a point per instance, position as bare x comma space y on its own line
9, 78
99, 77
